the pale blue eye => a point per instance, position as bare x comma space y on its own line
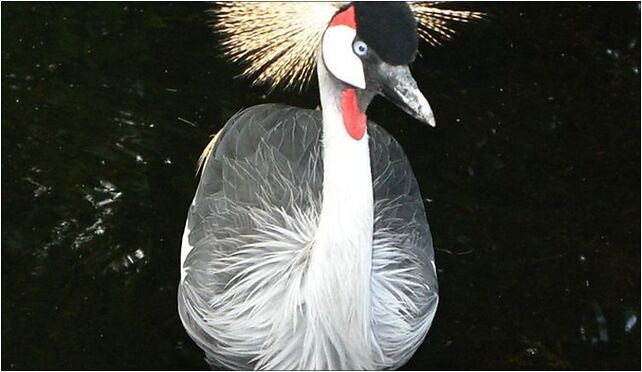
360, 48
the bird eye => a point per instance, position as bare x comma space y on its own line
360, 48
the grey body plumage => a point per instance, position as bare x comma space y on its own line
258, 203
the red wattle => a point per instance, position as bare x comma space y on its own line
353, 119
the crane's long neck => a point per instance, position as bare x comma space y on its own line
340, 265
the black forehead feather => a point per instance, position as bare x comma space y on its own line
390, 28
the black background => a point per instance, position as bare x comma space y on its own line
532, 176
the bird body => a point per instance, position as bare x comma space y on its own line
264, 289
307, 245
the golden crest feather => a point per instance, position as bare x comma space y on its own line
433, 23
277, 42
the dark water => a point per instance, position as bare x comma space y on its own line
532, 176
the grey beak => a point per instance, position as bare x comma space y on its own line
401, 88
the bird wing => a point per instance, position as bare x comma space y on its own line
404, 281
253, 214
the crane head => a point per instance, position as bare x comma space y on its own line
278, 42
369, 45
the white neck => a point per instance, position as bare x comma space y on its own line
341, 259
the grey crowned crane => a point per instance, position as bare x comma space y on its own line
306, 245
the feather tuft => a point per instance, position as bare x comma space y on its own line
277, 43
433, 23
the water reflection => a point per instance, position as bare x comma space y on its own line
530, 180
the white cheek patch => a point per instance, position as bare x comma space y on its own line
339, 57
